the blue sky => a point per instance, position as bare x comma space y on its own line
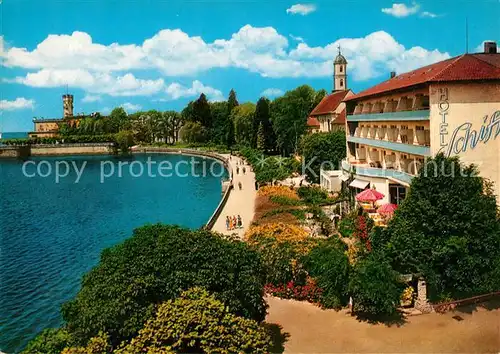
162, 54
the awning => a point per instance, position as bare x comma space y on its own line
343, 178
359, 183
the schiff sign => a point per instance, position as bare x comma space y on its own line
464, 137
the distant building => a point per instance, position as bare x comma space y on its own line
330, 112
452, 107
49, 127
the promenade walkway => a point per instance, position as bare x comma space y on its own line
240, 202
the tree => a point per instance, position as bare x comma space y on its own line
289, 116
447, 228
221, 122
197, 322
318, 97
242, 117
118, 120
49, 341
374, 287
329, 265
262, 116
193, 132
201, 111
124, 140
261, 139
155, 265
322, 149
232, 102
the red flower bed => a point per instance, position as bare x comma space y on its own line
309, 292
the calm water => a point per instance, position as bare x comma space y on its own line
51, 234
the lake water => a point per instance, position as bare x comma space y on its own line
52, 233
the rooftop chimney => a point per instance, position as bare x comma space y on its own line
490, 47
393, 74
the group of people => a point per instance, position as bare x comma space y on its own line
233, 222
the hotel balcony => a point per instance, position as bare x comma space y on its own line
392, 134
362, 116
361, 154
372, 132
405, 145
423, 137
398, 176
390, 161
374, 156
381, 132
358, 131
406, 136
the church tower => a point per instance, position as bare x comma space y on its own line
339, 73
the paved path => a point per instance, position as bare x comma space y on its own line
313, 330
240, 202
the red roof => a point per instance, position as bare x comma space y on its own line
312, 122
329, 103
340, 118
464, 67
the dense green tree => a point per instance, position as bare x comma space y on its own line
197, 322
221, 122
261, 138
124, 140
374, 287
447, 228
201, 111
232, 102
188, 112
242, 117
193, 132
156, 264
329, 265
318, 97
322, 149
289, 116
49, 341
118, 120
262, 116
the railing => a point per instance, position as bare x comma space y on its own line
398, 175
421, 115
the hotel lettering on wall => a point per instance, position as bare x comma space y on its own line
464, 137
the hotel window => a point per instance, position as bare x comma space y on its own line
404, 127
419, 127
394, 127
425, 102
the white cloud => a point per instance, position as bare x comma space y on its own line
480, 47
272, 92
91, 98
401, 10
18, 103
96, 83
130, 107
429, 14
112, 69
176, 91
301, 9
297, 38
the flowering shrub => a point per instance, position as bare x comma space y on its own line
407, 296
277, 191
361, 231
308, 292
281, 247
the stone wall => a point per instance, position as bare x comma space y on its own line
72, 149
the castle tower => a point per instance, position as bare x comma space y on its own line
67, 106
340, 73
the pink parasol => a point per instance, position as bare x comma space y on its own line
369, 195
387, 209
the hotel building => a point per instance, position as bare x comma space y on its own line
452, 107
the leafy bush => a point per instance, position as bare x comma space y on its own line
328, 264
277, 191
374, 287
156, 264
327, 149
268, 169
309, 292
49, 341
197, 322
282, 200
312, 194
97, 345
193, 132
447, 228
124, 140
281, 246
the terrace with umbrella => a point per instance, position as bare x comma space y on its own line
367, 200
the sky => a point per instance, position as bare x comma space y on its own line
144, 55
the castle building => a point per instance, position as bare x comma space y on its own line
49, 127
450, 107
329, 115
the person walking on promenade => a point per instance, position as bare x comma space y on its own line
227, 223
240, 185
244, 170
237, 170
234, 222
240, 224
